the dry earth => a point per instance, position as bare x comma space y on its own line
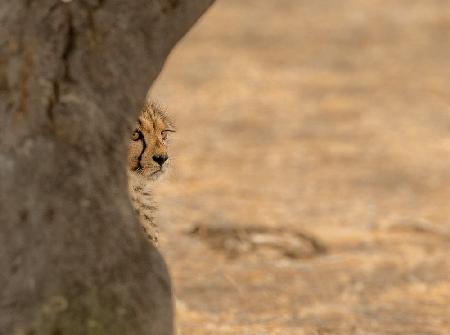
310, 187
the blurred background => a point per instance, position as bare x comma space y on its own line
310, 182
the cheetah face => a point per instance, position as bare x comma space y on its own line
147, 150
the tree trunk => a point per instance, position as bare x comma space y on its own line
73, 74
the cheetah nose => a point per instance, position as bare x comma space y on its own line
160, 159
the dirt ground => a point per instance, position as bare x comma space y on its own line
310, 184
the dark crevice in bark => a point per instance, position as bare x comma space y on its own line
23, 86
3, 80
54, 99
92, 4
91, 8
168, 5
69, 46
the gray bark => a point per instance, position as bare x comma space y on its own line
73, 74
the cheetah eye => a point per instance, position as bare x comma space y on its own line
136, 135
164, 133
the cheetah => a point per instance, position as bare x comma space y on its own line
147, 160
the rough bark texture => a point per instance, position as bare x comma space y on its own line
73, 74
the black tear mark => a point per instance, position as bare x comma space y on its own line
144, 146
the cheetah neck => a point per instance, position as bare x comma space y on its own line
144, 205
